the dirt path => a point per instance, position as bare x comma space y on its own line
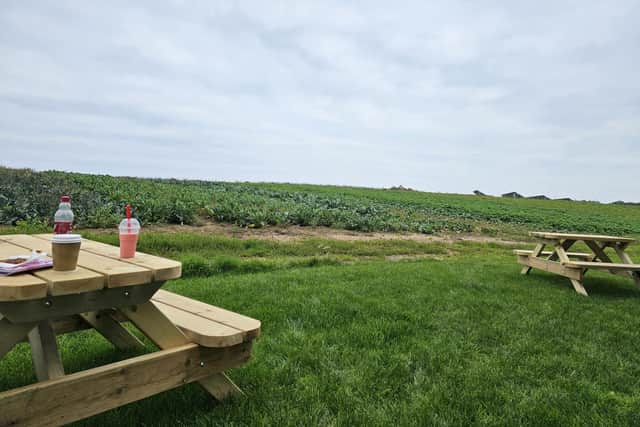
290, 233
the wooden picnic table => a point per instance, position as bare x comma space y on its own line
196, 341
574, 265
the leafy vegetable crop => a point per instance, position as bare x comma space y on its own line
99, 200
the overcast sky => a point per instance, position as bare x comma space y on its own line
439, 96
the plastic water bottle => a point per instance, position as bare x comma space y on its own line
63, 220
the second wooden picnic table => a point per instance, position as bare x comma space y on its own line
574, 265
197, 342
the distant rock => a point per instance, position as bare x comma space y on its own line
539, 197
565, 199
621, 202
513, 195
402, 188
478, 193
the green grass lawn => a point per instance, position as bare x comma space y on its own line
457, 338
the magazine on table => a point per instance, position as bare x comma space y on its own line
21, 263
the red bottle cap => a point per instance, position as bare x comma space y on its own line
65, 199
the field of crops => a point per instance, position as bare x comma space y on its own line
31, 198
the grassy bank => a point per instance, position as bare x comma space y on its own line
456, 338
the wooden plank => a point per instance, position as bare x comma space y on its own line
155, 325
81, 395
11, 334
70, 324
203, 331
564, 245
116, 273
550, 242
547, 253
45, 353
562, 255
22, 286
71, 282
560, 250
220, 385
534, 253
598, 251
552, 267
602, 265
220, 315
60, 282
53, 307
579, 288
595, 237
113, 331
620, 250
67, 325
602, 256
162, 268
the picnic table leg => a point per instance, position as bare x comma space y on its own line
626, 259
598, 251
536, 253
113, 331
560, 250
154, 324
600, 254
566, 244
11, 334
220, 386
577, 285
44, 351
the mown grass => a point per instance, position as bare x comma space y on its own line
204, 254
459, 340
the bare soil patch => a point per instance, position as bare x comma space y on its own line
395, 258
294, 232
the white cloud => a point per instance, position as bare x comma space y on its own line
441, 96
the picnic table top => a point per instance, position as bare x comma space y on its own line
99, 266
573, 236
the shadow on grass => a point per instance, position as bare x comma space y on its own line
185, 405
613, 288
608, 287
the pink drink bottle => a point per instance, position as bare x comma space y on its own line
63, 219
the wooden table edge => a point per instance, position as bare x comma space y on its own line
550, 235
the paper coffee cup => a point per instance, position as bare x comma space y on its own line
65, 249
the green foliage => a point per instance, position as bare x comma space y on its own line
99, 200
198, 266
33, 226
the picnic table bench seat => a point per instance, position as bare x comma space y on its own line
205, 324
603, 265
582, 255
